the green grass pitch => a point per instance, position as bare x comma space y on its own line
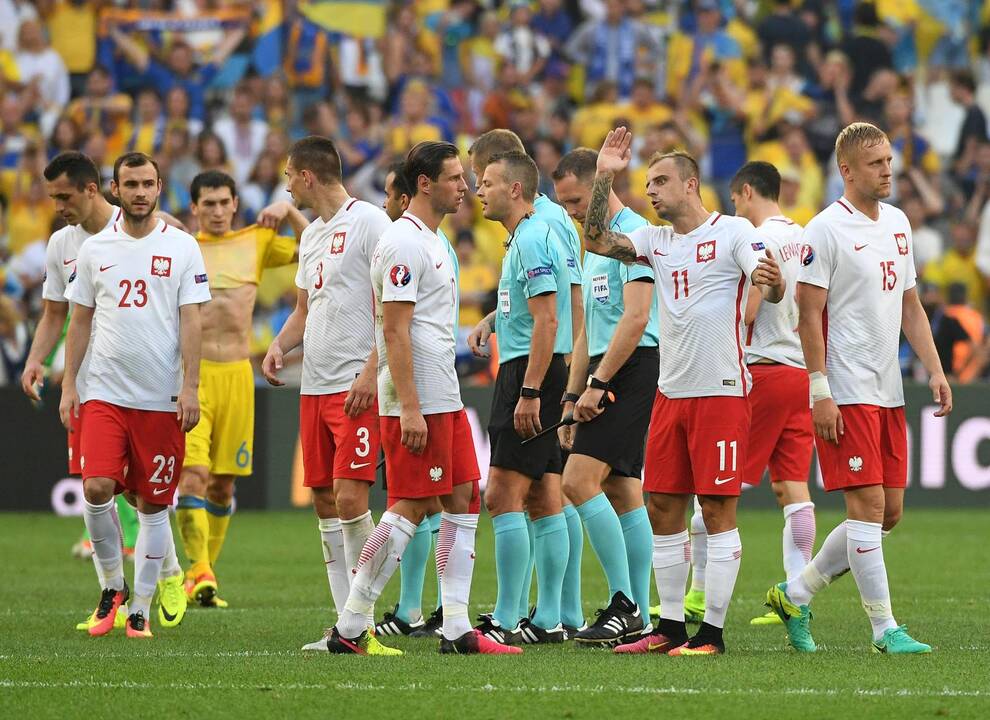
245, 661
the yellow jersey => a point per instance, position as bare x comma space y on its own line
238, 258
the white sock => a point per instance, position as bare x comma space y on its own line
724, 557
831, 561
104, 533
333, 558
170, 565
455, 567
798, 537
378, 562
356, 533
671, 563
699, 549
865, 548
154, 535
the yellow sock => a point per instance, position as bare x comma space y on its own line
194, 528
218, 517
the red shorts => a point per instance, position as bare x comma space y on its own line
74, 441
871, 451
335, 445
149, 443
781, 434
697, 445
449, 459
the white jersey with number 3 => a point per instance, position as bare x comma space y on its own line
702, 279
334, 260
773, 334
137, 286
866, 266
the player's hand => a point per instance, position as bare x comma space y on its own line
273, 215
32, 378
187, 408
362, 394
526, 418
827, 420
68, 406
615, 154
272, 364
478, 339
767, 271
414, 431
941, 393
565, 433
589, 405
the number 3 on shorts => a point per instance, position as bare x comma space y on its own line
364, 444
162, 462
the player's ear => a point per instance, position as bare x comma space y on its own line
114, 189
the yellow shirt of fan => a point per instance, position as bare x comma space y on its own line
239, 257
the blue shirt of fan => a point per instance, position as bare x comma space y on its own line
604, 280
534, 264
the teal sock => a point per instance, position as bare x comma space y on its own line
511, 551
434, 534
412, 572
571, 612
527, 587
638, 535
605, 534
551, 563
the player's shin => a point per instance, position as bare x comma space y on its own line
333, 558
671, 563
605, 534
412, 573
798, 538
638, 538
551, 564
865, 548
831, 561
194, 529
512, 551
153, 540
356, 532
377, 563
699, 550
571, 612
455, 568
105, 535
724, 557
218, 520
525, 592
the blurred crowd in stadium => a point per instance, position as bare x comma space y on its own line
228, 84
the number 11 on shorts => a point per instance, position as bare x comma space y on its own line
721, 455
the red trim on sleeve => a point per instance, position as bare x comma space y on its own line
164, 226
749, 333
739, 316
350, 204
406, 217
717, 216
845, 206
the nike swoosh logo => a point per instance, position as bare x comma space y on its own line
154, 557
723, 481
355, 466
159, 491
857, 248
439, 265
166, 614
107, 267
657, 252
68, 262
861, 551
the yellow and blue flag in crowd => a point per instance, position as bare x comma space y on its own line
357, 18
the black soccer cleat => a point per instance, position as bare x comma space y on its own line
392, 624
432, 626
474, 643
622, 619
532, 634
490, 628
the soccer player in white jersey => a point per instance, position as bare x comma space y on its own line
421, 411
141, 282
334, 320
781, 437
703, 265
857, 275
74, 185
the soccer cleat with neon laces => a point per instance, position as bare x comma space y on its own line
137, 626
392, 624
432, 626
770, 618
363, 644
694, 606
111, 602
654, 642
796, 618
474, 643
620, 620
896, 641
172, 601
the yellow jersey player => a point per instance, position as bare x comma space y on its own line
219, 449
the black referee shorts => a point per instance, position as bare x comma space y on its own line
617, 437
540, 456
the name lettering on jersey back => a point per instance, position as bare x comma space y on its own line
161, 266
789, 251
706, 251
337, 243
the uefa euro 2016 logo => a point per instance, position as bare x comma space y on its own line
400, 275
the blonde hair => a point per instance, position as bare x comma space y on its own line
856, 136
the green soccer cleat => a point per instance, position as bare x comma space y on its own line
770, 618
795, 618
654, 613
694, 606
172, 601
363, 644
896, 641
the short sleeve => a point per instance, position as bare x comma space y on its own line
81, 290
194, 286
910, 273
402, 269
636, 272
537, 265
280, 250
573, 252
54, 285
748, 247
376, 224
816, 257
642, 240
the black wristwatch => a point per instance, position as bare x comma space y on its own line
569, 397
530, 393
596, 384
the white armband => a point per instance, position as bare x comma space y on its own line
819, 387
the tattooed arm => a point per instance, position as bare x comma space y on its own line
597, 237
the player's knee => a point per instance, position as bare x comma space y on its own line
98, 491
193, 481
220, 490
719, 514
499, 499
323, 503
891, 516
